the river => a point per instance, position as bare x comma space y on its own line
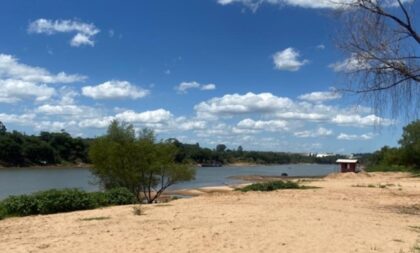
14, 181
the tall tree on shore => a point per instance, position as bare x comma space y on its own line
382, 42
146, 167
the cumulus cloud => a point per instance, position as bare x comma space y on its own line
12, 91
350, 64
23, 119
360, 121
353, 137
288, 60
269, 125
320, 96
11, 68
114, 89
60, 109
84, 31
155, 116
315, 4
314, 133
185, 86
229, 105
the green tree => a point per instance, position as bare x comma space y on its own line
410, 144
142, 165
3, 129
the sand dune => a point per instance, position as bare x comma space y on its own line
349, 213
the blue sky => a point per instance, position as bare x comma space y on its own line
207, 71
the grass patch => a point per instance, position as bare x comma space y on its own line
96, 218
272, 186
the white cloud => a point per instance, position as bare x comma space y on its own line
84, 31
114, 89
360, 121
60, 109
12, 91
185, 86
320, 96
320, 47
230, 105
100, 122
269, 125
155, 116
350, 64
23, 119
311, 133
254, 4
352, 137
288, 60
11, 68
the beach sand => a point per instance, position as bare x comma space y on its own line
348, 213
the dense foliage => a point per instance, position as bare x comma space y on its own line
19, 149
406, 157
66, 200
221, 155
271, 186
141, 164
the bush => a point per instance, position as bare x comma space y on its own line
66, 200
19, 205
120, 196
271, 186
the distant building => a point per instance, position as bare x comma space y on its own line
348, 165
321, 155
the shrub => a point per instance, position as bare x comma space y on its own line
98, 199
271, 186
120, 196
20, 205
67, 200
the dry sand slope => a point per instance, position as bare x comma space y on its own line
338, 217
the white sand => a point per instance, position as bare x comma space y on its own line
335, 218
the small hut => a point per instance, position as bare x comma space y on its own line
347, 165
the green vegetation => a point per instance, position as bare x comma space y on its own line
141, 164
19, 149
405, 158
271, 186
66, 200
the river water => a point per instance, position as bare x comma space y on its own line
14, 181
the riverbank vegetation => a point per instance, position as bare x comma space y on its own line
20, 149
60, 148
271, 186
405, 158
66, 200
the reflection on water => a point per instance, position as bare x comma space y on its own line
15, 181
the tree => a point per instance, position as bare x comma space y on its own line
221, 148
3, 129
382, 42
410, 144
141, 164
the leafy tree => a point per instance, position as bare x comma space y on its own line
221, 148
3, 129
142, 165
410, 144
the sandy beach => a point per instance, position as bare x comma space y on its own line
349, 213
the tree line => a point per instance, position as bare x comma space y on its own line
54, 148
47, 148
